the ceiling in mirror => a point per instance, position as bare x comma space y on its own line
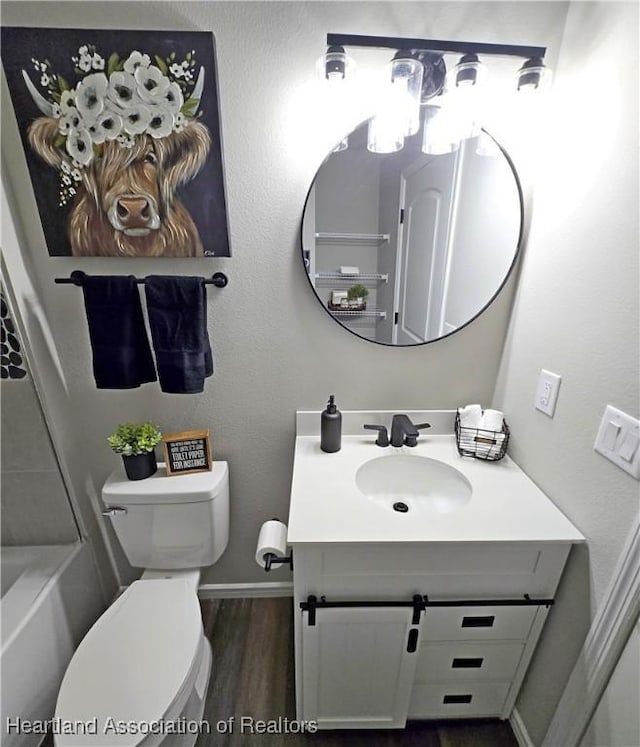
405, 248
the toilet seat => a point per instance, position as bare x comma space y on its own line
135, 665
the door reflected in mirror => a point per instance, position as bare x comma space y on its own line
431, 238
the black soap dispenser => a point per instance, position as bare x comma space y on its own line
331, 427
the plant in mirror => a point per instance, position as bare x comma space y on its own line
433, 236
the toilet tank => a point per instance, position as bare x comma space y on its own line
170, 522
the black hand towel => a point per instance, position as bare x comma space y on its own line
121, 353
177, 308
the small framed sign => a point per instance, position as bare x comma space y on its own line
187, 451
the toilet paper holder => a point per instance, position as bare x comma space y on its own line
270, 558
272, 545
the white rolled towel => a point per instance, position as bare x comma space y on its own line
470, 416
492, 420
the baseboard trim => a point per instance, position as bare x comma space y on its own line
237, 591
603, 645
520, 730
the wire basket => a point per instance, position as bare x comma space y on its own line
480, 443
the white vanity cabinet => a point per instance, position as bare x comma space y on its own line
386, 633
420, 614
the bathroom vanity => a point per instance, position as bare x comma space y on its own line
433, 611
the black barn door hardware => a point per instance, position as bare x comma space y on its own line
312, 604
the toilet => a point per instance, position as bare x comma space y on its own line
140, 675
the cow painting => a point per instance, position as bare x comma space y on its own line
126, 141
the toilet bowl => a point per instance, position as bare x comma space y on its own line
140, 675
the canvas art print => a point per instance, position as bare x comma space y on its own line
121, 134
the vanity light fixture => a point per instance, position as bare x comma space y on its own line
465, 90
533, 76
452, 103
335, 65
406, 77
400, 113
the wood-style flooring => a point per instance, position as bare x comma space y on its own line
253, 677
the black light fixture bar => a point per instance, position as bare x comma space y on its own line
434, 45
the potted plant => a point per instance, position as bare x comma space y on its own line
136, 443
357, 296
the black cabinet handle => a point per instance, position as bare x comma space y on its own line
478, 621
466, 663
412, 642
456, 699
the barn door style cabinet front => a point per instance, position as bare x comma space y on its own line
359, 664
389, 634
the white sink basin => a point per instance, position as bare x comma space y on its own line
413, 484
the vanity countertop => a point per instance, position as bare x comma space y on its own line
327, 506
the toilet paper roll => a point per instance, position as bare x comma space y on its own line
272, 538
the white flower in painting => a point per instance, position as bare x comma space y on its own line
161, 123
79, 146
107, 126
76, 175
126, 141
90, 95
65, 167
45, 80
66, 180
136, 60
136, 118
180, 122
122, 89
57, 110
71, 120
176, 70
97, 62
172, 98
67, 101
84, 63
83, 50
152, 84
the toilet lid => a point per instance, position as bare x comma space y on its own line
132, 664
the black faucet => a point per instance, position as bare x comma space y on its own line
403, 432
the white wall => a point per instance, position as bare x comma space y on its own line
576, 313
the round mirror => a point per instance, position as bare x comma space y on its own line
405, 248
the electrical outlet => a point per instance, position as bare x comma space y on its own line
618, 439
547, 392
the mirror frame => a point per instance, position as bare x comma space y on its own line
516, 254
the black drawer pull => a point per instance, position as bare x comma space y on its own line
456, 699
478, 621
463, 663
412, 642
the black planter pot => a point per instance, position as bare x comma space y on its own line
140, 466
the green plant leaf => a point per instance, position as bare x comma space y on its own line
112, 64
62, 84
190, 107
134, 438
162, 65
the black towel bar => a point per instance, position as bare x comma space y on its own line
219, 279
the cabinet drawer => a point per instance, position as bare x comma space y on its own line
453, 662
458, 700
477, 623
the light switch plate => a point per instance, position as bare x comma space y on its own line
618, 440
547, 392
